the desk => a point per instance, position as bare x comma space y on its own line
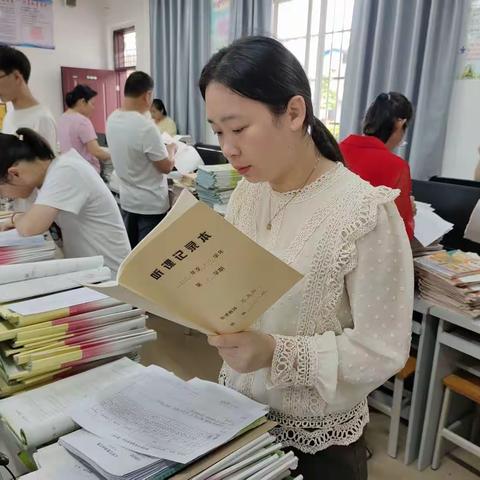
425, 328
449, 348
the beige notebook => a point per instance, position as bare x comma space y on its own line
199, 271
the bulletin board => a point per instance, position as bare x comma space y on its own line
27, 23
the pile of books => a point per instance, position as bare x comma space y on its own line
17, 249
133, 430
215, 183
50, 327
451, 279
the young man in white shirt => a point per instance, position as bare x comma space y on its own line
140, 158
26, 112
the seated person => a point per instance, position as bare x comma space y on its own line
159, 114
370, 155
75, 129
70, 193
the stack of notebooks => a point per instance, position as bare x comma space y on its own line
451, 279
17, 249
64, 328
215, 183
150, 424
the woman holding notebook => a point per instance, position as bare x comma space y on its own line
344, 329
70, 193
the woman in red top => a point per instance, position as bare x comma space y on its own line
370, 155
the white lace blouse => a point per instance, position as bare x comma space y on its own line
345, 328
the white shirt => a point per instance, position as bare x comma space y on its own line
345, 328
38, 118
88, 215
135, 143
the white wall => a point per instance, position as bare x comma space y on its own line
79, 42
128, 13
463, 132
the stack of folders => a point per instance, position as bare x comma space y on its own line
451, 279
67, 331
215, 183
173, 429
17, 249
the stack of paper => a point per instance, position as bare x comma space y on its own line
215, 183
50, 336
451, 279
429, 229
17, 249
157, 424
40, 416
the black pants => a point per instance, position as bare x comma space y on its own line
138, 226
334, 463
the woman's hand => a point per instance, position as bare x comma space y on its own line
246, 351
6, 225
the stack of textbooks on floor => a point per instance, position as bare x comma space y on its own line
451, 279
50, 327
151, 424
17, 249
215, 184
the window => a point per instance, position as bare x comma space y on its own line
317, 32
125, 49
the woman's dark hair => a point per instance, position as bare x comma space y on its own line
262, 69
382, 114
26, 145
158, 104
80, 92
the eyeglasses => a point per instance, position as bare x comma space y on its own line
4, 75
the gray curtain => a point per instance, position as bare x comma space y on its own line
180, 47
250, 17
409, 46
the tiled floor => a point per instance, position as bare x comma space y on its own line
190, 356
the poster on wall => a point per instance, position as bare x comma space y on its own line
220, 24
27, 23
471, 51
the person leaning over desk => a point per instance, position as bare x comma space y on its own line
75, 129
345, 328
70, 193
371, 157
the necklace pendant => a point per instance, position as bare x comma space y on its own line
269, 226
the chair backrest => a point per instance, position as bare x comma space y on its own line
453, 203
211, 154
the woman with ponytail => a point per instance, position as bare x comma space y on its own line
70, 193
344, 329
75, 129
370, 155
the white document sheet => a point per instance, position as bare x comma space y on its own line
472, 232
48, 268
79, 296
39, 416
107, 456
52, 284
163, 416
430, 227
57, 464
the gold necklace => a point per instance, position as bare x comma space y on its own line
283, 207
